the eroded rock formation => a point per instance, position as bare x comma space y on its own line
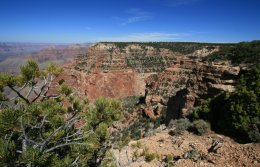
162, 76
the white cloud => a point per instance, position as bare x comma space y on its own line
145, 37
135, 15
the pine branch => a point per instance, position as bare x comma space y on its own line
19, 94
65, 144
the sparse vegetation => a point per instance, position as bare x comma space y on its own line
244, 52
57, 129
200, 127
129, 103
123, 140
181, 125
181, 47
140, 128
192, 154
169, 158
236, 113
149, 156
138, 144
109, 160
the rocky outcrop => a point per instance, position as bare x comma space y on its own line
188, 150
115, 84
164, 77
115, 72
189, 83
108, 57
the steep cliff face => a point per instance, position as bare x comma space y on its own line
117, 84
109, 58
162, 76
188, 84
110, 71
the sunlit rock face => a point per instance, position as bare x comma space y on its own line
163, 77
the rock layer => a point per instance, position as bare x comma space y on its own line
162, 76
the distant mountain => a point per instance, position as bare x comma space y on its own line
19, 49
13, 55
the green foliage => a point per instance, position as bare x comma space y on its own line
236, 113
138, 144
192, 154
200, 127
7, 153
106, 111
244, 52
29, 71
9, 121
3, 97
51, 68
202, 111
149, 156
137, 130
181, 125
181, 47
8, 80
45, 132
168, 158
254, 134
123, 139
34, 157
65, 89
108, 160
129, 103
101, 131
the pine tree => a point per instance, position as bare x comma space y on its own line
43, 124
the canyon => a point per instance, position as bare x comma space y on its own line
165, 81
163, 77
158, 85
14, 55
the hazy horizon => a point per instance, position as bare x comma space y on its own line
79, 21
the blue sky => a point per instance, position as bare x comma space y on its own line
79, 21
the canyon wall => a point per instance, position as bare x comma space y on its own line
165, 78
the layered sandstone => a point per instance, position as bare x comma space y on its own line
117, 84
115, 72
187, 84
109, 58
164, 77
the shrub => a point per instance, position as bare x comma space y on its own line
123, 140
168, 158
138, 144
236, 114
254, 135
138, 153
108, 160
180, 125
244, 52
201, 112
129, 103
149, 157
201, 127
192, 154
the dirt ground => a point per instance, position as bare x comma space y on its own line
211, 150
